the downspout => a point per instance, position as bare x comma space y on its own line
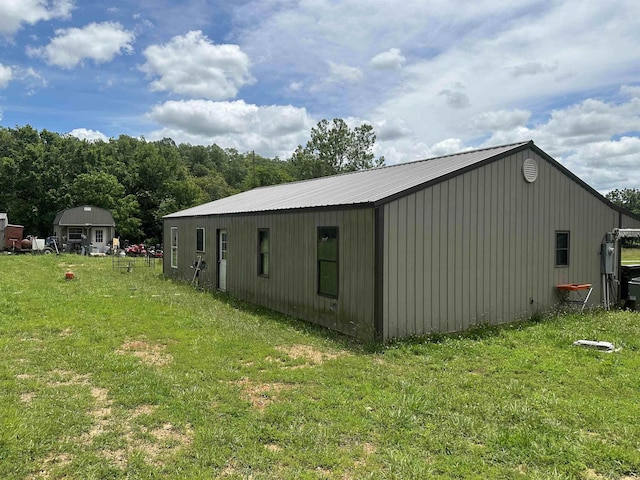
378, 272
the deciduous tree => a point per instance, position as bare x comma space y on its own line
335, 148
628, 198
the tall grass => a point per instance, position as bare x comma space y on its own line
128, 375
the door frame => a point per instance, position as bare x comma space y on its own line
219, 258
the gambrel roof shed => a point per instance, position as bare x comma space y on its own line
84, 215
431, 246
92, 224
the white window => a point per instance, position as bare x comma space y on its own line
174, 247
99, 236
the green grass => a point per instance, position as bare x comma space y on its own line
128, 375
630, 256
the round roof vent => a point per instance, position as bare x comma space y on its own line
530, 170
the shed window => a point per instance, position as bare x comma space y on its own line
328, 261
200, 239
99, 234
174, 247
263, 252
562, 249
74, 233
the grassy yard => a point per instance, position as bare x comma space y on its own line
630, 256
127, 375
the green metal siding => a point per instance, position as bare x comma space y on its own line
479, 247
291, 287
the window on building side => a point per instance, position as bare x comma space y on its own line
263, 252
99, 236
562, 249
328, 261
74, 233
174, 247
200, 239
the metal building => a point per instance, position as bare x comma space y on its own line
433, 246
94, 224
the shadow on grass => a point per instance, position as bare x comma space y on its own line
487, 331
476, 333
301, 326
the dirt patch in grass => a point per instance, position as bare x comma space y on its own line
66, 378
310, 354
27, 397
142, 410
591, 474
155, 443
67, 332
366, 448
261, 395
230, 469
50, 463
149, 353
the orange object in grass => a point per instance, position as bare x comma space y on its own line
69, 275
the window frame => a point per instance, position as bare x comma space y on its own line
200, 242
262, 255
562, 251
322, 261
74, 233
174, 247
99, 235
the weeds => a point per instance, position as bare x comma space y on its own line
114, 375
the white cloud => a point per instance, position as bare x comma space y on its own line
14, 13
389, 130
191, 65
270, 130
5, 75
532, 68
608, 164
343, 73
88, 134
594, 120
447, 147
31, 79
392, 59
99, 42
628, 91
501, 120
295, 86
455, 99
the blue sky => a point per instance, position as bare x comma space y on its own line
432, 77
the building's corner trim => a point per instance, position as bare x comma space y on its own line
378, 322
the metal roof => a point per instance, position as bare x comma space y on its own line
85, 215
354, 188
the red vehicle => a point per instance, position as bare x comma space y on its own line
136, 250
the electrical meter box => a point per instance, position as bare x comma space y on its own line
608, 250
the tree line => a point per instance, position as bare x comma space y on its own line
139, 181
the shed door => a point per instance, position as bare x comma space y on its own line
99, 239
222, 260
